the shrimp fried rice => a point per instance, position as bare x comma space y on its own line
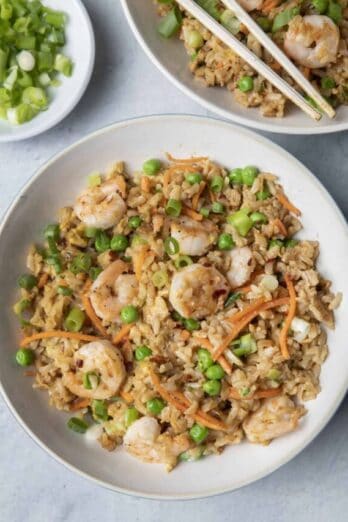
172, 312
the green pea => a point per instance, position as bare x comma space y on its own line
130, 416
235, 177
152, 167
249, 175
74, 320
192, 324
215, 372
52, 246
100, 410
94, 272
64, 290
52, 231
119, 243
102, 241
21, 306
225, 242
334, 12
258, 217
193, 178
134, 222
327, 83
263, 194
77, 425
291, 243
142, 352
205, 359
217, 184
155, 406
217, 208
198, 433
194, 39
91, 232
173, 207
212, 387
320, 5
25, 357
274, 374
27, 281
129, 314
244, 392
205, 212
55, 262
246, 84
275, 243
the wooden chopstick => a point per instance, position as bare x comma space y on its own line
279, 56
248, 56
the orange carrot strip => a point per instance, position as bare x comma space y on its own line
284, 201
188, 211
138, 261
126, 396
281, 227
145, 184
185, 335
92, 316
212, 196
186, 160
243, 289
165, 394
86, 286
268, 5
198, 194
57, 333
43, 280
245, 311
122, 333
79, 404
287, 323
200, 416
166, 178
202, 341
239, 326
259, 394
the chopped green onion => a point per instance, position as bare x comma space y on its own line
94, 179
155, 406
265, 23
138, 241
21, 306
63, 64
211, 6
275, 243
232, 298
246, 345
230, 22
74, 320
263, 194
217, 184
334, 12
52, 231
284, 17
130, 416
194, 39
90, 232
27, 281
235, 177
90, 380
173, 207
241, 222
77, 425
217, 207
142, 352
320, 5
291, 243
94, 271
258, 217
81, 263
249, 175
160, 278
192, 454
327, 83
225, 242
64, 290
182, 261
171, 246
244, 392
100, 410
170, 24
205, 212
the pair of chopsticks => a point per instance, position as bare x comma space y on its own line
256, 63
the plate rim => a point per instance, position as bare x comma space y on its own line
229, 115
33, 131
254, 137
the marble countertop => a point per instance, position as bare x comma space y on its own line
35, 488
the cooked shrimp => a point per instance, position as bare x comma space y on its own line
312, 40
194, 237
102, 206
275, 417
251, 5
112, 290
105, 362
198, 291
144, 441
241, 266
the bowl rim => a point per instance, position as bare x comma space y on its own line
266, 125
182, 118
58, 116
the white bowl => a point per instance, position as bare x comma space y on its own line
172, 60
55, 185
80, 47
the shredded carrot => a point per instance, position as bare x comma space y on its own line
42, 281
188, 211
280, 226
212, 196
79, 404
165, 394
284, 201
203, 341
239, 326
259, 394
122, 333
287, 323
145, 184
198, 194
166, 178
126, 396
139, 257
268, 5
186, 160
245, 289
185, 335
157, 222
57, 333
245, 311
92, 316
86, 286
121, 184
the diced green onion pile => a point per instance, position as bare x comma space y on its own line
31, 39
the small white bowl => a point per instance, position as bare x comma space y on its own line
55, 185
80, 47
171, 59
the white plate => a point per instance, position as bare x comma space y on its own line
80, 47
55, 185
171, 58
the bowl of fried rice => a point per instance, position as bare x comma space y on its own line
173, 313
314, 36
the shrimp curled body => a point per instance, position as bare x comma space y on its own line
194, 238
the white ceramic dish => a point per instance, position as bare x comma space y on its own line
55, 185
80, 48
172, 60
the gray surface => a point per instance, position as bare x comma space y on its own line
35, 488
